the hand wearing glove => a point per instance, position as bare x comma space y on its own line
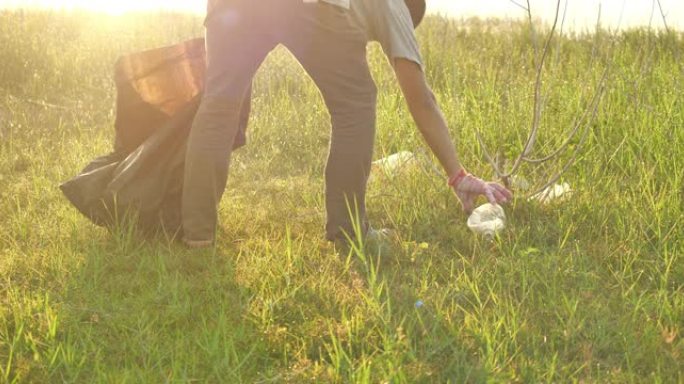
468, 187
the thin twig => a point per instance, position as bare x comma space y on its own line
487, 155
427, 162
650, 18
667, 29
519, 5
40, 103
597, 40
648, 60
560, 31
533, 32
662, 14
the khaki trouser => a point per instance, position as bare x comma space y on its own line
331, 46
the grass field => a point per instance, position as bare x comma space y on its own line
590, 289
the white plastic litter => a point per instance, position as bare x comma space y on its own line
487, 220
394, 164
553, 192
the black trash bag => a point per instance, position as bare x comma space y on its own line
158, 93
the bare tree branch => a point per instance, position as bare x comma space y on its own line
595, 101
581, 126
537, 99
571, 161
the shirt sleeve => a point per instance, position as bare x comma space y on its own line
394, 31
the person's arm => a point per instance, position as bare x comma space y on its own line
426, 113
433, 126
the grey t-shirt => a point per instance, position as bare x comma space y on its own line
385, 21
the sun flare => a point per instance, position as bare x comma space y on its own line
581, 14
113, 7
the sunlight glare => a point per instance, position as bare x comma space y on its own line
111, 7
582, 14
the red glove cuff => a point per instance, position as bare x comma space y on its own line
457, 178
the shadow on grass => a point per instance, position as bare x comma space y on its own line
148, 310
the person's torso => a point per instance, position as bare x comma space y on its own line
385, 21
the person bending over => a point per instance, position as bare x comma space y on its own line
329, 39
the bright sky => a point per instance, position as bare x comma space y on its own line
581, 14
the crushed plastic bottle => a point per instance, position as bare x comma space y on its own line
552, 193
487, 220
392, 165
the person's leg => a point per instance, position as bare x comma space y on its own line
238, 39
331, 47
